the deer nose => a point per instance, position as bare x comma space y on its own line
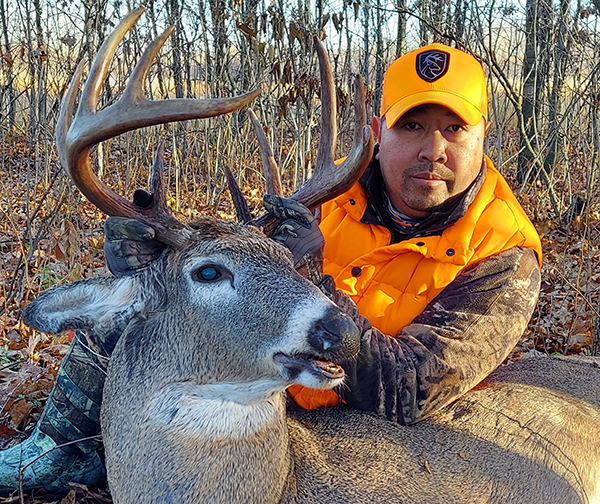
335, 333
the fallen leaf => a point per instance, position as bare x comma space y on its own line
19, 410
14, 335
579, 340
69, 498
6, 431
8, 59
426, 466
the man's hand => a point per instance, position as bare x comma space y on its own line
300, 233
129, 245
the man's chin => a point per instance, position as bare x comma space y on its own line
421, 205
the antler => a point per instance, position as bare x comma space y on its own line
329, 179
75, 136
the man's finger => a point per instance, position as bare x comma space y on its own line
284, 231
123, 228
286, 208
124, 248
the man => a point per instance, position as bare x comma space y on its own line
433, 257
431, 245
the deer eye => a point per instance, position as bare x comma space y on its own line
208, 273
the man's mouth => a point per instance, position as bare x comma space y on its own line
427, 180
428, 176
317, 366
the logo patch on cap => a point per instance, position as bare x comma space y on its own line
432, 64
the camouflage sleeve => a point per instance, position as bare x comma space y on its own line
461, 337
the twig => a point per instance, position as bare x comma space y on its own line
577, 289
9, 365
97, 437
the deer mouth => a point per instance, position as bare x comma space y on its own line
323, 370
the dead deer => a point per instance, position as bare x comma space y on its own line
194, 405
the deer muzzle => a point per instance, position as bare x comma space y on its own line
335, 334
331, 339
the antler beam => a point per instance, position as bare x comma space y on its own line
75, 136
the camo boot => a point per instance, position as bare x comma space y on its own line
72, 413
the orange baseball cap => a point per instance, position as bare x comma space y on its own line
435, 74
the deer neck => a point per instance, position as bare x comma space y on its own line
239, 447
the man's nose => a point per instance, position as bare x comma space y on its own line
434, 148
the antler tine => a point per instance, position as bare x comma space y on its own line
328, 138
330, 179
140, 72
65, 116
75, 136
242, 210
99, 69
270, 168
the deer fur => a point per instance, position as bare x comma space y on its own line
194, 404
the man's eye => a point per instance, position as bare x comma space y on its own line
206, 274
411, 125
455, 128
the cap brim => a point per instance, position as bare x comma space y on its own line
467, 112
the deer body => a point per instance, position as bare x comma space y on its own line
196, 379
522, 436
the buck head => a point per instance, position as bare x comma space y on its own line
227, 308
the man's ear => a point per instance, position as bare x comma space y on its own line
88, 304
376, 127
487, 127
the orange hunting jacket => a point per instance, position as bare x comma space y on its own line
392, 284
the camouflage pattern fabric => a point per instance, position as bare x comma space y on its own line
59, 449
461, 337
72, 411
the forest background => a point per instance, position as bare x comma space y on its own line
542, 59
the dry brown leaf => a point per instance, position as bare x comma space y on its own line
8, 59
6, 431
58, 252
426, 466
14, 335
69, 498
19, 410
579, 340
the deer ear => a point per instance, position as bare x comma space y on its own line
87, 304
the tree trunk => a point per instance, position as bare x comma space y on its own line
9, 89
424, 27
366, 36
176, 66
525, 158
205, 31
161, 84
217, 8
440, 25
460, 13
379, 63
562, 47
401, 36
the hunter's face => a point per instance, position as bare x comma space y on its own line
428, 156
